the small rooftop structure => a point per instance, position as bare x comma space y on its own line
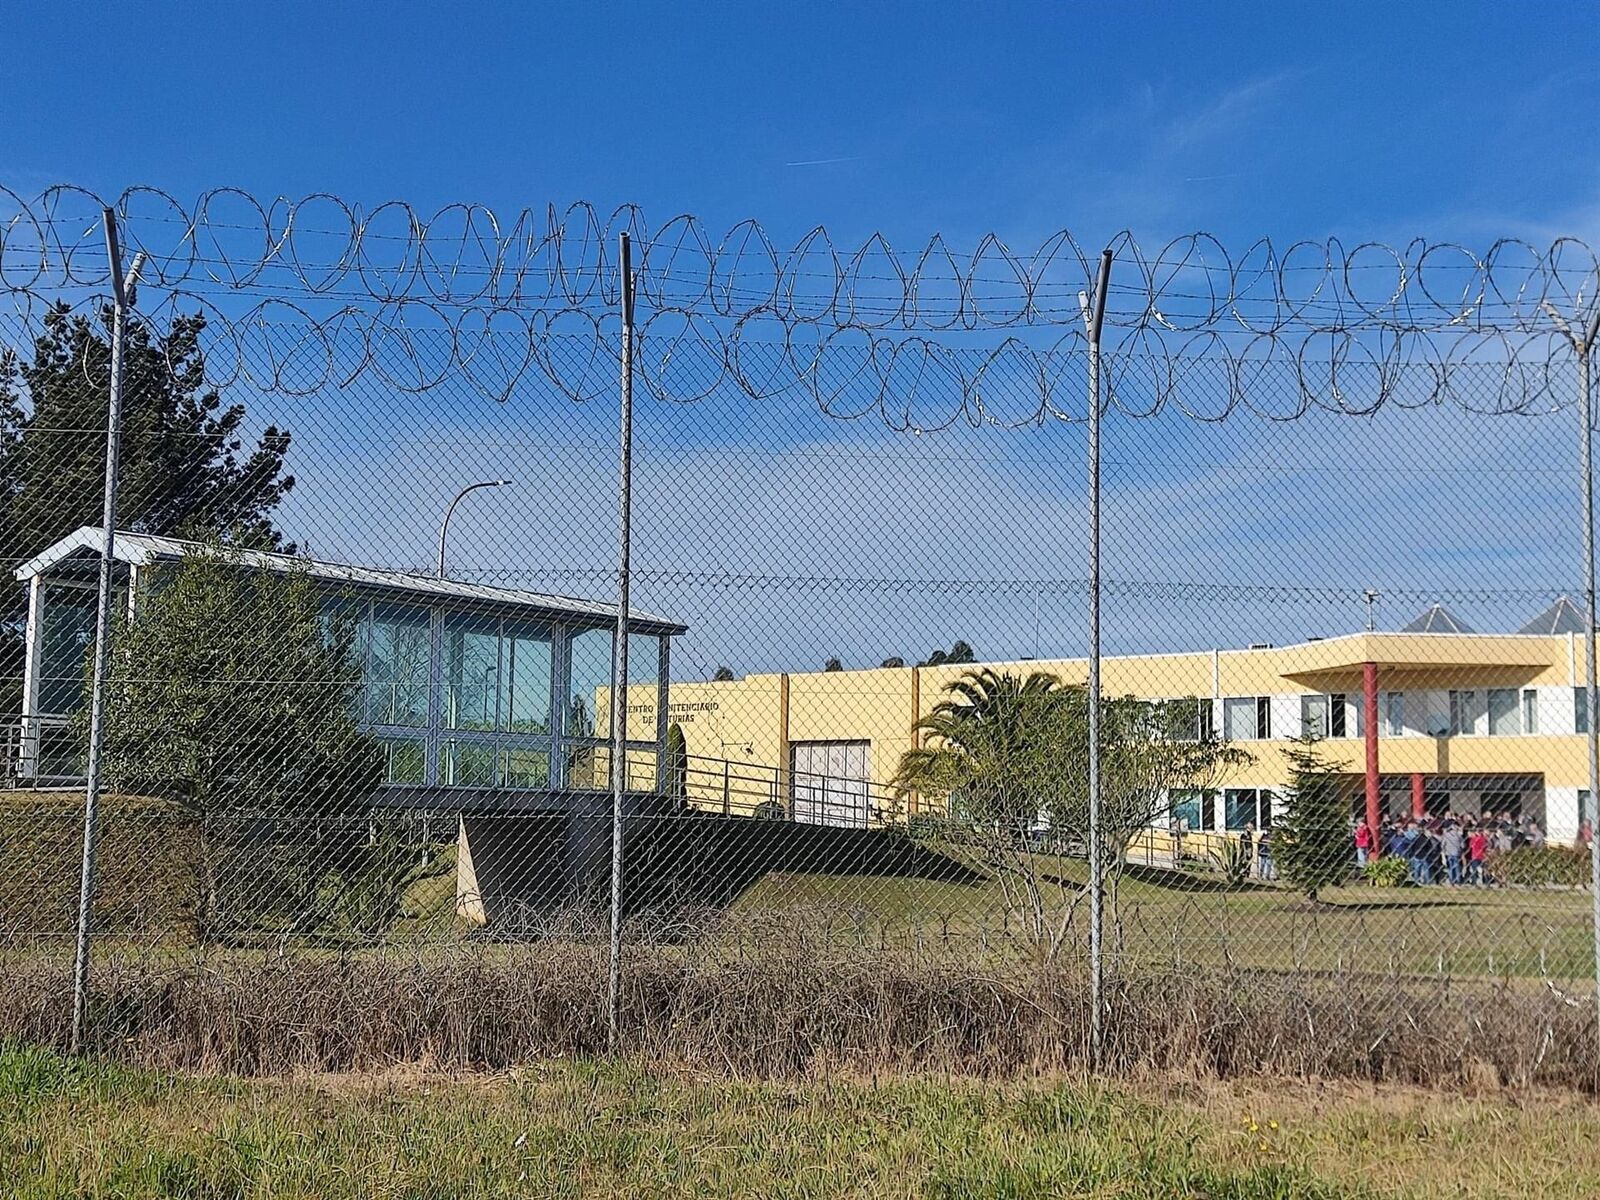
1561, 617
469, 687
1436, 618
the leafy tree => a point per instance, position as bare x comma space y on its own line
233, 697
960, 653
12, 645
1311, 842
833, 664
722, 675
896, 661
1009, 757
185, 468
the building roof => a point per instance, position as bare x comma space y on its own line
143, 549
1561, 617
1436, 618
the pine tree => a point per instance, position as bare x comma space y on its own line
1311, 843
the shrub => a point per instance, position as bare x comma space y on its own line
1233, 860
1539, 866
1389, 871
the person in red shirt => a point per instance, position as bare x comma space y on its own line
1363, 843
1477, 851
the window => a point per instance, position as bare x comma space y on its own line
1530, 710
1314, 716
1246, 717
1246, 806
1503, 712
525, 680
404, 760
1192, 718
69, 617
591, 677
497, 677
1330, 716
397, 651
1394, 713
1463, 707
1338, 715
1585, 806
1191, 810
1580, 710
591, 685
483, 764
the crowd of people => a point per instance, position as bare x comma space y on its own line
1452, 849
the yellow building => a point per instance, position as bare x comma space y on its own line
1429, 721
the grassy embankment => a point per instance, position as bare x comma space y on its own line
579, 1128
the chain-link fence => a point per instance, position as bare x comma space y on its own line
1269, 664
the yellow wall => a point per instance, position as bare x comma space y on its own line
747, 721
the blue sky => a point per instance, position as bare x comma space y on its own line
1247, 119
1360, 121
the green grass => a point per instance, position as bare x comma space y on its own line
568, 1129
1167, 916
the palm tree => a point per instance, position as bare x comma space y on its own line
995, 750
982, 747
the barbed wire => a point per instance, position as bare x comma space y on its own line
305, 296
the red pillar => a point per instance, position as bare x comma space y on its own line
1419, 796
1369, 701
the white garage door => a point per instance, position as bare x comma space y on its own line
830, 782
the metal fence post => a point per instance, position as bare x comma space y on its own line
1094, 318
1583, 345
619, 657
102, 635
1591, 689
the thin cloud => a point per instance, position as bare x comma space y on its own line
824, 162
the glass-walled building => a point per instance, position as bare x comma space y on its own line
466, 685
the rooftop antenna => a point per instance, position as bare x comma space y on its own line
1371, 595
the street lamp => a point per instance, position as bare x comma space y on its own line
444, 528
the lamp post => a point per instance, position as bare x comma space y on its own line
444, 528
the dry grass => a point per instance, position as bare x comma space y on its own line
800, 1006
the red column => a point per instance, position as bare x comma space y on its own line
1419, 796
1369, 700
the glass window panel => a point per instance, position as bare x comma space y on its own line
1530, 711
472, 675
590, 684
588, 767
1395, 713
1239, 718
525, 673
406, 761
1503, 711
61, 752
471, 764
1338, 715
1238, 807
644, 672
69, 615
1314, 715
398, 661
1580, 710
523, 768
1188, 810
